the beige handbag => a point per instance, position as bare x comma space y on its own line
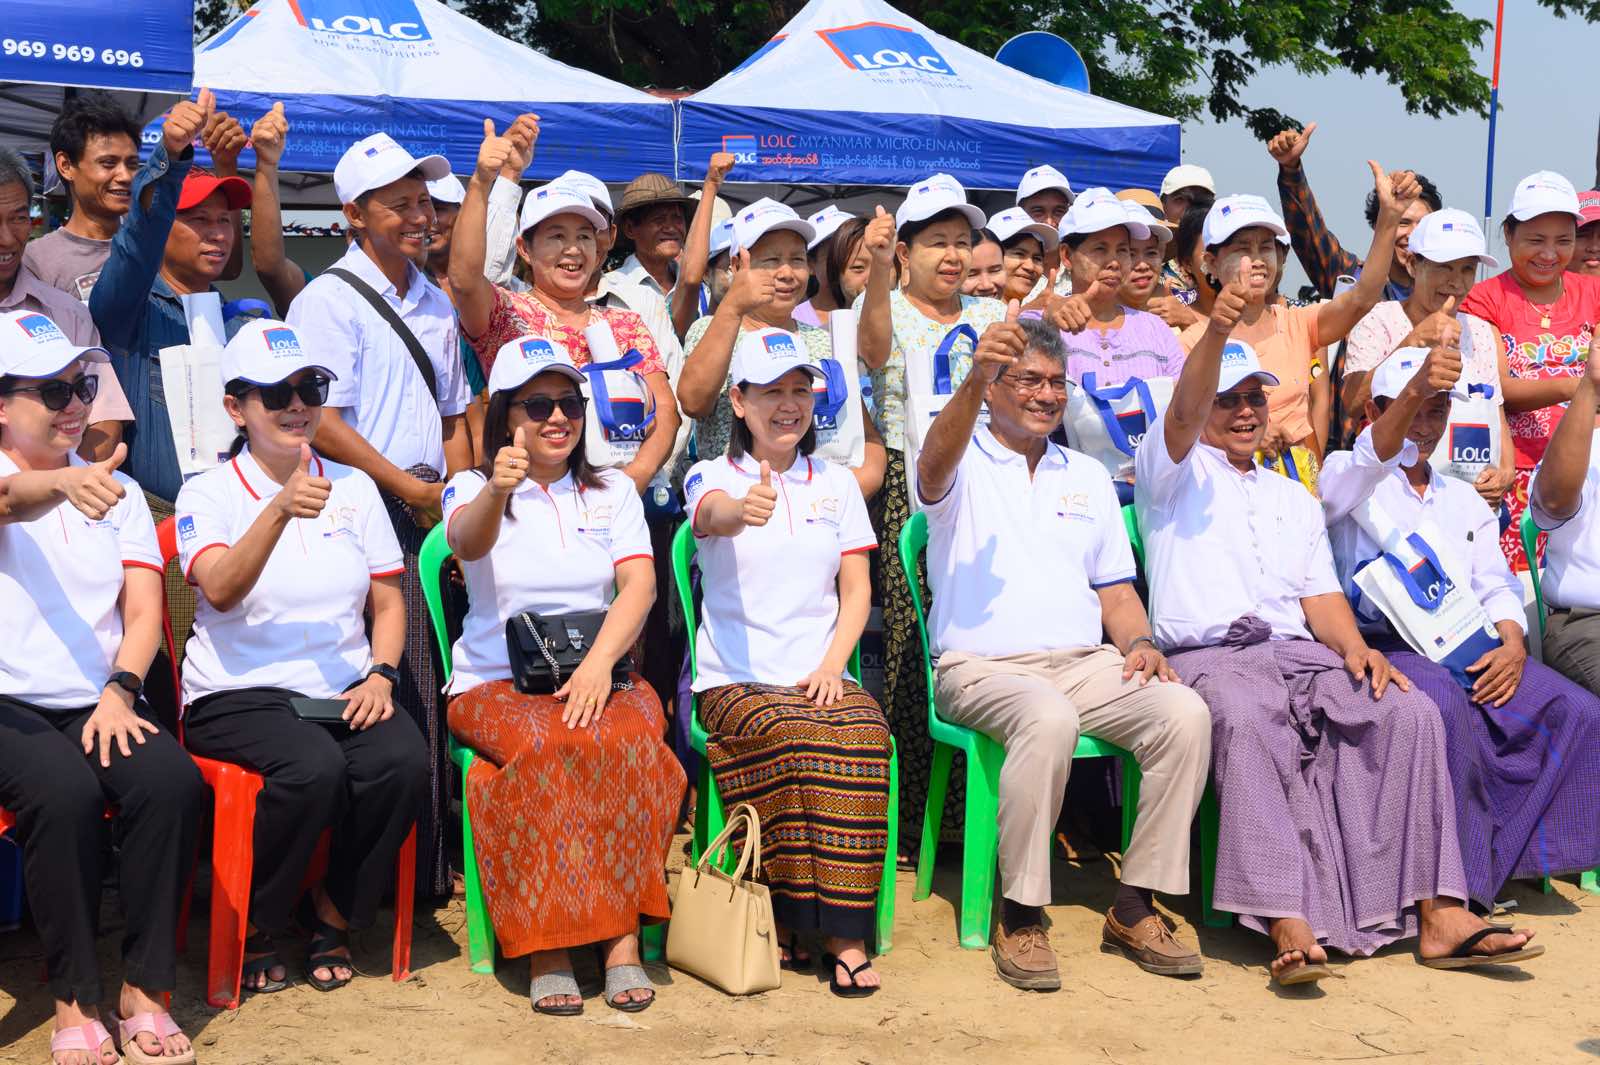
722, 929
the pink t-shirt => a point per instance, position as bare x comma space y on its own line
1145, 347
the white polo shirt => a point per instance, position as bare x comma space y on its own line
1220, 544
1466, 531
1572, 555
1014, 560
385, 397
60, 578
557, 553
771, 594
302, 625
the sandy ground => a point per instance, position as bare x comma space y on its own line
939, 1004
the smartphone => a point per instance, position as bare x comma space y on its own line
324, 711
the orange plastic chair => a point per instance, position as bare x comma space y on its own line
233, 858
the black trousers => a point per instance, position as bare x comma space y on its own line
367, 786
59, 797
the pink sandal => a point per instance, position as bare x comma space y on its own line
88, 1038
160, 1025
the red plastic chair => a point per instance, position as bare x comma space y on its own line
232, 856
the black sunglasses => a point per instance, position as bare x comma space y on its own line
539, 408
56, 394
1231, 400
313, 392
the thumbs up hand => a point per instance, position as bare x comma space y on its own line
879, 237
761, 500
302, 495
511, 464
1001, 345
93, 489
495, 152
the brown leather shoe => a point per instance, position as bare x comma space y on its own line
1151, 946
1024, 959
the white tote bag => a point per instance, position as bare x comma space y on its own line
621, 405
1108, 423
191, 384
1471, 441
841, 433
1437, 614
928, 389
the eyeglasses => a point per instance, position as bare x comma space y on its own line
1032, 383
313, 392
539, 408
57, 394
1231, 400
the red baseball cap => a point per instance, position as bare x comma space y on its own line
1588, 207
202, 183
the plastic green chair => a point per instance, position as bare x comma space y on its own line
709, 815
480, 930
1589, 880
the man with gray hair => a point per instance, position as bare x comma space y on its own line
22, 290
1040, 636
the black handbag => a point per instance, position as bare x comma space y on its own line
544, 650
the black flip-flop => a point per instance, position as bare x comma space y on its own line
1463, 958
269, 960
325, 939
1307, 972
794, 963
850, 990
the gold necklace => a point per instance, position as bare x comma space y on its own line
1544, 309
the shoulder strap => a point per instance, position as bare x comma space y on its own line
386, 312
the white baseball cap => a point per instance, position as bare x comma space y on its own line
1187, 176
1138, 212
375, 161
1233, 213
447, 189
1041, 178
264, 352
590, 186
1240, 362
1544, 192
32, 345
1098, 209
1014, 221
765, 216
547, 201
1392, 375
523, 358
1449, 234
721, 239
935, 195
764, 355
825, 223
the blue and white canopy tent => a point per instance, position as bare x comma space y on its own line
853, 92
428, 76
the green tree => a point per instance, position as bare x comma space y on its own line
1184, 58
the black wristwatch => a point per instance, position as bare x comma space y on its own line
128, 682
1137, 640
387, 672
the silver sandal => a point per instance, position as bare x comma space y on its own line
624, 978
552, 985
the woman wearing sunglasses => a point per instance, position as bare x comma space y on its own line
573, 796
80, 577
293, 557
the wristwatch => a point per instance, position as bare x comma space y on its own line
128, 682
1137, 640
387, 672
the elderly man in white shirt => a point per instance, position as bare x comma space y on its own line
1337, 816
1522, 742
1040, 636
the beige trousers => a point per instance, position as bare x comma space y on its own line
1035, 705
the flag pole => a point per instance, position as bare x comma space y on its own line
1494, 113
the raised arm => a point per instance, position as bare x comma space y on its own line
475, 527
697, 246
505, 201
224, 138
1196, 389
91, 489
473, 291
1439, 373
874, 330
1336, 317
1001, 345
280, 276
1558, 488
1319, 251
657, 446
705, 368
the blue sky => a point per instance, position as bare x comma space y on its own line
1549, 109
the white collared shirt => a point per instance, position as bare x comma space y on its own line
772, 592
386, 398
60, 578
1015, 560
301, 626
633, 271
1468, 531
1572, 554
1220, 544
557, 553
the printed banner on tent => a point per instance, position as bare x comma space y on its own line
111, 44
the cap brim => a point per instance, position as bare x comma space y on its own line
45, 365
1225, 382
822, 233
236, 190
975, 218
1277, 229
1528, 214
287, 374
587, 213
433, 167
799, 364
1065, 190
790, 225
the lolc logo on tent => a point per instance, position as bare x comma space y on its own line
878, 46
387, 20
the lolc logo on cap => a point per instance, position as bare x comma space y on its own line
387, 20
537, 349
1235, 353
281, 342
779, 346
40, 329
878, 46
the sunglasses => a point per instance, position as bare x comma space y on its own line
313, 392
1231, 400
57, 394
539, 408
